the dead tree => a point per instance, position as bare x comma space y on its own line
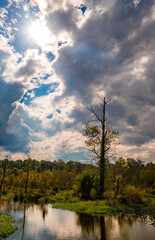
100, 139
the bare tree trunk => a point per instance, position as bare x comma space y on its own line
27, 175
102, 158
2, 180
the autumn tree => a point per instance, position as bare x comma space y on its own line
100, 138
4, 166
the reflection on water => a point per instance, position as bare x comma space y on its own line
37, 222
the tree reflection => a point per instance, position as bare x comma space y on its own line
92, 225
24, 220
86, 222
102, 229
44, 210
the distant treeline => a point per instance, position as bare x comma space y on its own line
126, 180
43, 165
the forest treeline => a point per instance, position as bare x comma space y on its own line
127, 181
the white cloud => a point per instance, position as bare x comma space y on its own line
3, 16
93, 56
64, 142
31, 65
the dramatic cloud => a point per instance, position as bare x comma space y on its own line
11, 140
57, 57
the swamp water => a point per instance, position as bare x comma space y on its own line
37, 222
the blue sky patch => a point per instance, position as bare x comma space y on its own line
83, 8
42, 90
26, 99
3, 3
50, 116
46, 76
50, 56
61, 43
58, 111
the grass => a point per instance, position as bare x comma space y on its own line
6, 225
105, 207
89, 207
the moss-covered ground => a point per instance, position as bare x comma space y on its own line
6, 225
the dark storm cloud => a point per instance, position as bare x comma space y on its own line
79, 66
9, 93
79, 115
61, 20
93, 53
137, 139
132, 120
107, 48
116, 110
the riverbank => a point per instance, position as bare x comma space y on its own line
89, 207
6, 225
112, 207
100, 208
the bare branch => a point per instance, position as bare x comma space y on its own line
94, 151
106, 102
106, 150
105, 133
93, 120
95, 113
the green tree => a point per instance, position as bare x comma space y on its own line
119, 170
85, 185
133, 171
147, 175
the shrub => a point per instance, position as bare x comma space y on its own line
10, 196
63, 196
93, 194
42, 200
131, 195
109, 195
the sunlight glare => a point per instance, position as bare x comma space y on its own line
40, 33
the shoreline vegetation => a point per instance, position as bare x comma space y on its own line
100, 208
74, 186
64, 201
6, 225
89, 207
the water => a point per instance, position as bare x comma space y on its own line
37, 222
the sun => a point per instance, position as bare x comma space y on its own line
40, 33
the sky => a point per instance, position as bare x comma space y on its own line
59, 57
